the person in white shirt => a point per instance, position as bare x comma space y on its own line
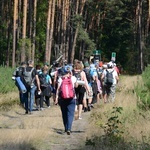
109, 88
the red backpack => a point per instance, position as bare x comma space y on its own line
67, 89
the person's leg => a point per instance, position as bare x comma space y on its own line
112, 93
80, 106
41, 101
105, 94
85, 102
70, 113
90, 97
47, 101
26, 102
32, 96
21, 98
37, 99
63, 106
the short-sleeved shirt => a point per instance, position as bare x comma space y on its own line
48, 78
114, 72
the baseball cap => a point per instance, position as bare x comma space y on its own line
110, 65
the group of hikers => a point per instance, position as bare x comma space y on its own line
74, 87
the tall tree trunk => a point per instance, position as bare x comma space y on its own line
23, 57
51, 29
62, 26
47, 52
140, 35
67, 28
14, 32
34, 29
18, 55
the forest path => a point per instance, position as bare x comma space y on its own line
45, 128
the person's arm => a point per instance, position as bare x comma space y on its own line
57, 90
38, 82
85, 80
75, 81
50, 81
55, 79
117, 78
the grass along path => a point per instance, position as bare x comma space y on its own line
43, 130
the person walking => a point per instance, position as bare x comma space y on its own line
67, 103
46, 87
31, 81
110, 78
88, 96
82, 88
38, 97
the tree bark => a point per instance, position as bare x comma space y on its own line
14, 32
51, 29
23, 57
47, 52
34, 29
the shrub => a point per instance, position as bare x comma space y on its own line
6, 82
143, 90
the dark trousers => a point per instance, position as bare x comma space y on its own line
68, 109
22, 97
39, 101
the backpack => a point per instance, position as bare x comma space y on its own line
77, 74
19, 71
109, 78
67, 89
98, 74
88, 76
94, 88
27, 75
42, 78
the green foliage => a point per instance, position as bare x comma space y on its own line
113, 139
6, 82
84, 37
143, 90
113, 126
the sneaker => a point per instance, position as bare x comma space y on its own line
85, 109
48, 106
92, 106
41, 108
30, 112
26, 112
68, 132
37, 108
80, 117
89, 108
